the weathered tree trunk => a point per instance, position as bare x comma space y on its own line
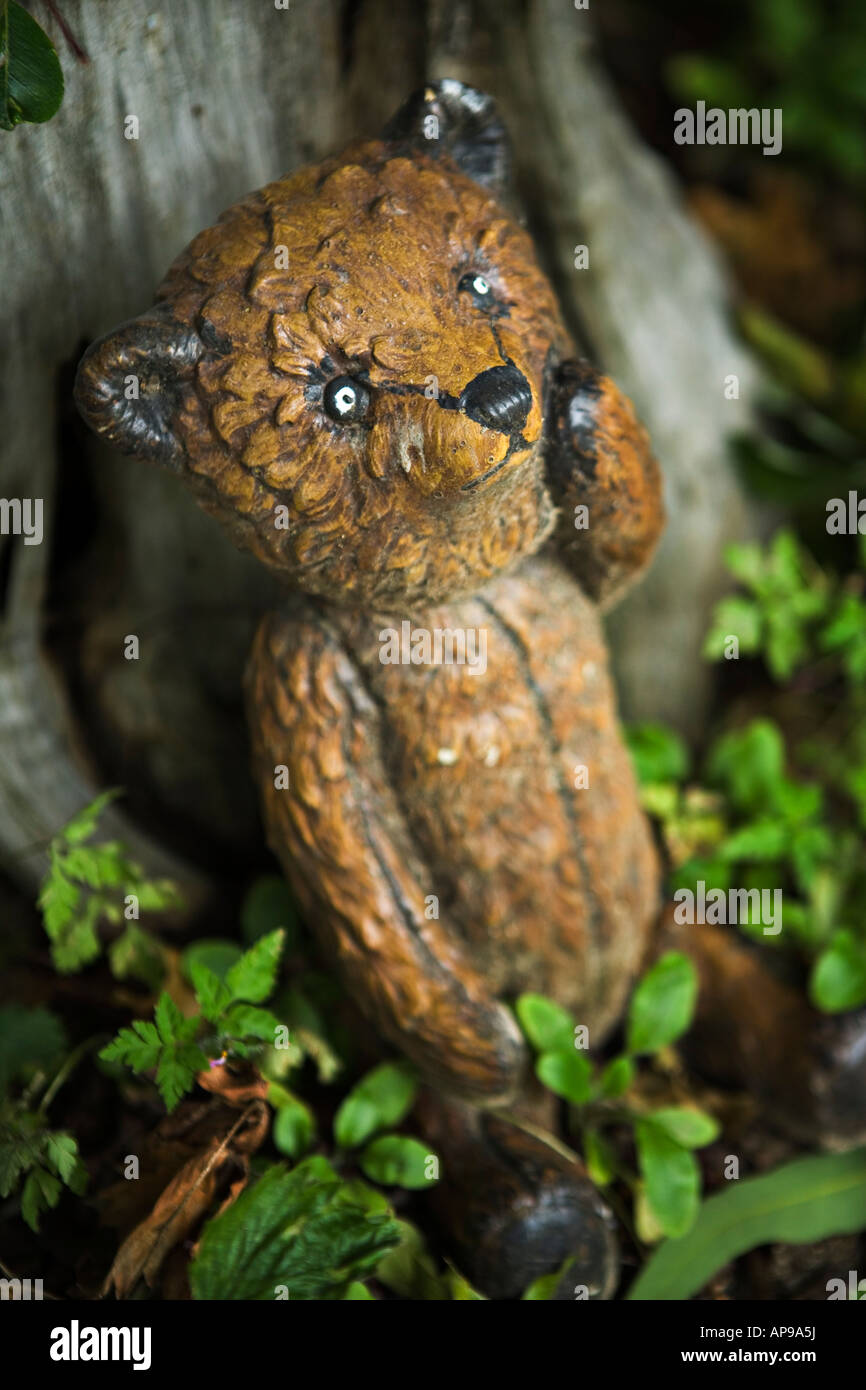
227, 96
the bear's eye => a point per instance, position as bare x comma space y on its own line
346, 400
478, 287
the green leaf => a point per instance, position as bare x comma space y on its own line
362, 1194
662, 1006
101, 866
599, 1158
658, 753
746, 563
41, 1192
358, 1293
246, 1021
616, 1078
268, 905
461, 1290
71, 914
812, 849
77, 944
166, 1044
61, 1151
215, 954
544, 1287
383, 1098
734, 617
838, 979
297, 1230
672, 1178
138, 955
750, 764
27, 1147
547, 1026
15, 1159
714, 872
567, 1074
696, 76
410, 1271
687, 1126
763, 839
253, 977
647, 1228
30, 1040
156, 895
31, 79
294, 1126
212, 994
396, 1160
84, 823
176, 1071
662, 800
58, 901
308, 1032
137, 1047
171, 1024
801, 1202
58, 898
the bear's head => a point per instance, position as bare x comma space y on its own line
349, 368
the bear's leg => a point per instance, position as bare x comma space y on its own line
336, 827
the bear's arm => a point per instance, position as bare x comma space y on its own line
604, 479
342, 841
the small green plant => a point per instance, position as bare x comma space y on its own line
787, 597
793, 614
379, 1101
35, 1160
667, 1185
227, 1025
88, 884
746, 817
749, 821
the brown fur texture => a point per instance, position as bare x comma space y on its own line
455, 836
375, 247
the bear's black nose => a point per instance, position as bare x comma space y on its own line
500, 399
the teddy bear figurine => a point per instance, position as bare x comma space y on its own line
362, 371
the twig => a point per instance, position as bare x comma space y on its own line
80, 53
69, 1065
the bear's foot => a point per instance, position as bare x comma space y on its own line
513, 1204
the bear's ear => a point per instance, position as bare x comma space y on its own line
129, 384
448, 118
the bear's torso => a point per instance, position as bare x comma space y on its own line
515, 784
